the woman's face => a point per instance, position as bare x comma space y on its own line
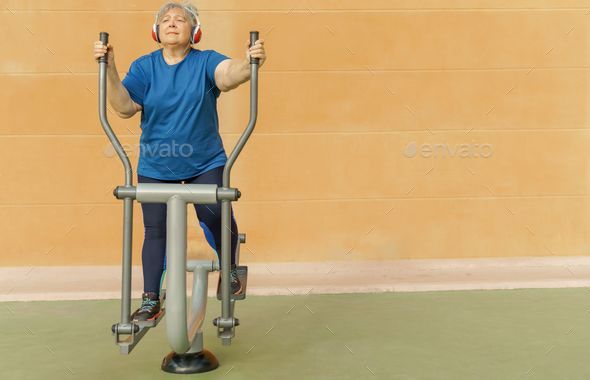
175, 28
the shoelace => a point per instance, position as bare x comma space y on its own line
234, 275
147, 305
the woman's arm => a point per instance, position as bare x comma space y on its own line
231, 73
118, 95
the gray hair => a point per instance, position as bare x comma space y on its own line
189, 10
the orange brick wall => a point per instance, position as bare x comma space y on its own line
387, 129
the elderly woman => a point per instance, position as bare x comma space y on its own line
176, 89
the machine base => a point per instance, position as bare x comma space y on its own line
196, 362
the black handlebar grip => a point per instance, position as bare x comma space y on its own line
253, 39
104, 38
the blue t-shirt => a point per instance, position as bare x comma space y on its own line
180, 129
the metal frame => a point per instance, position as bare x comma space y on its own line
184, 333
226, 323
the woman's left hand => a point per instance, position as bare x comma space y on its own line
256, 51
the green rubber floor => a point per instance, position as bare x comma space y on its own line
518, 334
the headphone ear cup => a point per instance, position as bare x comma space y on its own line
196, 34
155, 32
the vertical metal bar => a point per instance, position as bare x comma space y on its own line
176, 326
225, 257
126, 270
128, 202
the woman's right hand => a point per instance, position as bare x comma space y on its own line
100, 50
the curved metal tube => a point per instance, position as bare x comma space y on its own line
250, 127
226, 309
102, 113
128, 202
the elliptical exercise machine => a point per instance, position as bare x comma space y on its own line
184, 332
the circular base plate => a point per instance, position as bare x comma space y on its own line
196, 362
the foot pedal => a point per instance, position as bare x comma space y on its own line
153, 322
243, 276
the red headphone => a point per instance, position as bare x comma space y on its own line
196, 32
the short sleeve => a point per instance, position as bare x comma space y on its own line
135, 82
213, 59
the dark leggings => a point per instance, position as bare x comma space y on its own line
154, 220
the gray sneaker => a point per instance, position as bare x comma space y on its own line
235, 284
149, 309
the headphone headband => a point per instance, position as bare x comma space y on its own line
196, 32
